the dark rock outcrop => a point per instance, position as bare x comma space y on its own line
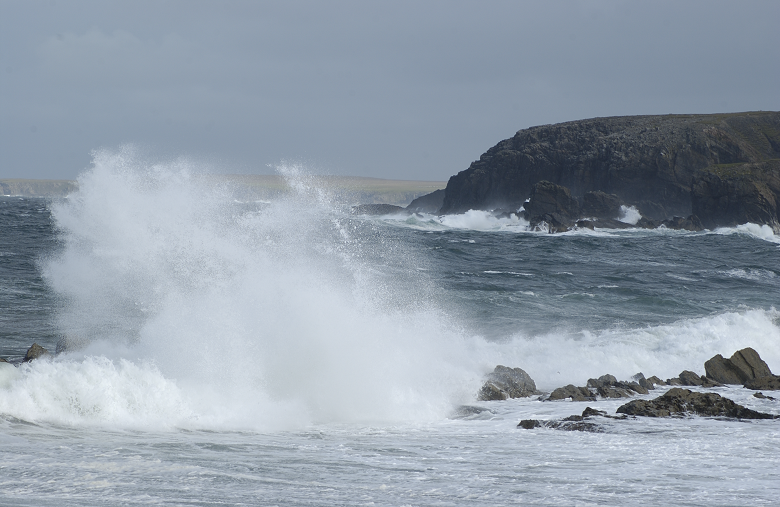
763, 397
582, 422
35, 352
573, 392
664, 165
428, 203
503, 383
742, 366
692, 223
680, 402
379, 209
599, 204
770, 383
735, 194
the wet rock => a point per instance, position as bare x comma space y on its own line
673, 382
3, 360
680, 402
742, 366
598, 204
738, 194
656, 381
505, 382
35, 352
691, 223
573, 392
764, 383
379, 209
604, 380
640, 379
613, 392
763, 396
608, 386
571, 423
428, 203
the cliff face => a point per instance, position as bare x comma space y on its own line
652, 162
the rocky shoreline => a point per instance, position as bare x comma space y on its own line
745, 367
676, 171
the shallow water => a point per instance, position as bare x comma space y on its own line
226, 352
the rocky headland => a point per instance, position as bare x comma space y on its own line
682, 171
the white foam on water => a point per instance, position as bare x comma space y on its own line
260, 318
561, 358
763, 232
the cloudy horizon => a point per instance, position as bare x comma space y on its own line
402, 90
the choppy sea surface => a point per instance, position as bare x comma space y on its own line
221, 352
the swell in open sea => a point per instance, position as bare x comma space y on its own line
220, 352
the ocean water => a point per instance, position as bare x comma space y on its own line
221, 352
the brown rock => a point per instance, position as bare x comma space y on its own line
573, 392
504, 382
679, 402
764, 383
744, 365
34, 352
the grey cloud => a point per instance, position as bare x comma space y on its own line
392, 89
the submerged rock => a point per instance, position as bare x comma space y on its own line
504, 382
35, 352
763, 396
680, 402
742, 366
571, 423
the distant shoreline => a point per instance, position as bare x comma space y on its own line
358, 188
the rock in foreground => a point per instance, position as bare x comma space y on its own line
504, 383
679, 402
742, 366
34, 352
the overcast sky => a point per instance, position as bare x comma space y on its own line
403, 90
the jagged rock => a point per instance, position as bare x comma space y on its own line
34, 352
552, 204
663, 165
673, 382
679, 402
735, 194
692, 223
612, 392
598, 204
742, 366
379, 209
607, 386
771, 383
763, 396
549, 222
656, 381
573, 392
604, 380
689, 378
504, 383
428, 203
571, 423
640, 379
